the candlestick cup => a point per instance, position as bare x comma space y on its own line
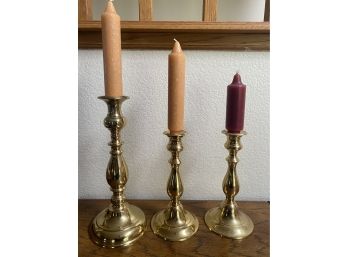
121, 223
227, 220
174, 223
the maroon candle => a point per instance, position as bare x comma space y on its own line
235, 105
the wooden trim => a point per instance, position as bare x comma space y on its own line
188, 26
267, 10
192, 35
85, 10
145, 10
209, 10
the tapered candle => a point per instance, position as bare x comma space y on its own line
235, 106
111, 37
176, 88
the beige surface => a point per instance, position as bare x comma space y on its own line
176, 88
111, 36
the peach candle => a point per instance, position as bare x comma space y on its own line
111, 36
176, 86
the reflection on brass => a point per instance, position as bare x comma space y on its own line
174, 223
228, 220
121, 223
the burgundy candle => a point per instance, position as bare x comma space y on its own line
235, 105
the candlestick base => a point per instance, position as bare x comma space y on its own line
112, 228
236, 224
174, 223
227, 220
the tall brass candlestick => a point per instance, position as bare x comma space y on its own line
227, 219
121, 223
174, 223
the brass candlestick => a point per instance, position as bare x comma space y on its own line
227, 219
121, 223
174, 223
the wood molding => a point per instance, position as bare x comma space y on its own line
192, 35
85, 10
145, 10
209, 10
267, 10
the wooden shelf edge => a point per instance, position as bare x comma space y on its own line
165, 26
192, 35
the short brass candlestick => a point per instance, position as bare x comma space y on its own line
121, 223
174, 223
227, 219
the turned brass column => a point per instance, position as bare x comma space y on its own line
121, 223
227, 219
174, 223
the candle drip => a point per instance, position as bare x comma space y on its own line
237, 79
110, 7
176, 47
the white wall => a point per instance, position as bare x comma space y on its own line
204, 165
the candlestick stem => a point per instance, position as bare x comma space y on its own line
174, 223
227, 219
121, 223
